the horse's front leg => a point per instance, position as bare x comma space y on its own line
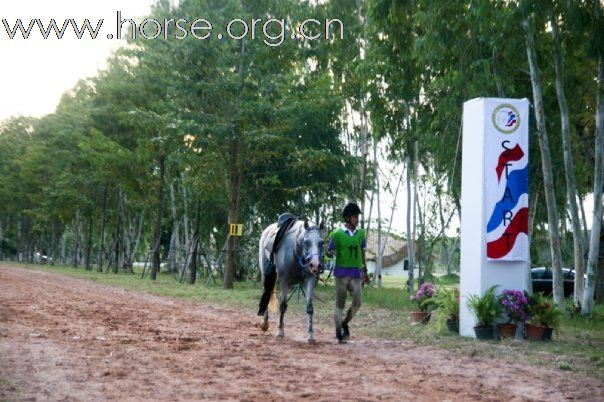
282, 308
309, 286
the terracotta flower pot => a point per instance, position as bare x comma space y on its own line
534, 332
507, 331
419, 316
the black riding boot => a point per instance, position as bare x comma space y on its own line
340, 336
345, 331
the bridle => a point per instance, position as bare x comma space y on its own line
303, 261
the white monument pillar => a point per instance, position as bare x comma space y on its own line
494, 200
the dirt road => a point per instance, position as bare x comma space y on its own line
68, 339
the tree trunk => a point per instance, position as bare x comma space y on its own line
546, 165
444, 239
584, 230
53, 241
119, 225
364, 157
175, 246
234, 178
345, 119
134, 249
63, 251
370, 211
234, 183
128, 234
155, 261
30, 249
452, 251
579, 262
422, 265
378, 249
88, 254
20, 237
185, 216
417, 256
596, 223
364, 126
102, 232
599, 288
195, 240
76, 240
410, 248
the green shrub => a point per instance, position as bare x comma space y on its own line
486, 309
544, 311
447, 303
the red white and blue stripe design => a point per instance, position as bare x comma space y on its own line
506, 181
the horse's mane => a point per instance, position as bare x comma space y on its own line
299, 236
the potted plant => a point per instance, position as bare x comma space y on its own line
446, 302
515, 305
550, 318
424, 298
486, 309
545, 318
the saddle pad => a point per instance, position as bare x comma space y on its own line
272, 234
270, 239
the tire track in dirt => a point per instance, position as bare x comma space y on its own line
63, 338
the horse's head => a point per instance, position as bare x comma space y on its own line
312, 247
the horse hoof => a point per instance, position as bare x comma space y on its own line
312, 341
264, 326
279, 336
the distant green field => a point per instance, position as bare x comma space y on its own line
579, 346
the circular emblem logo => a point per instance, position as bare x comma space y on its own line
506, 118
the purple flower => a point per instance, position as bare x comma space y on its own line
515, 305
425, 292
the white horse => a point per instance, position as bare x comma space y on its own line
297, 261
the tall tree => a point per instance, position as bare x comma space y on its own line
410, 239
571, 190
594, 241
546, 163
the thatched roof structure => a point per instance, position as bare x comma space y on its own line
395, 251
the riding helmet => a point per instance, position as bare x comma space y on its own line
351, 209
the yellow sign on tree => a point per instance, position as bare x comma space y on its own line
236, 229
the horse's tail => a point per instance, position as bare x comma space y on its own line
273, 304
269, 277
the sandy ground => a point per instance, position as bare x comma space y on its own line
69, 339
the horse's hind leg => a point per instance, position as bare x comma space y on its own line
282, 308
269, 279
264, 325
